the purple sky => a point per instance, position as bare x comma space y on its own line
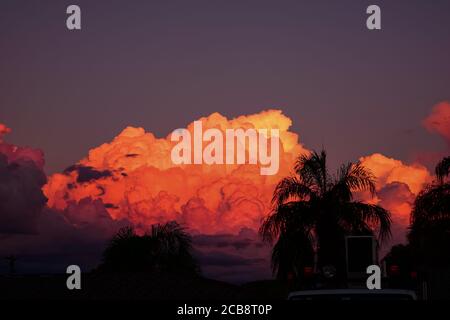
162, 64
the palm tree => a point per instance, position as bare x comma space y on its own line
172, 247
313, 211
430, 220
443, 169
167, 247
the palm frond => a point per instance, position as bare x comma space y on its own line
290, 187
432, 205
362, 215
443, 169
315, 210
312, 170
356, 177
287, 217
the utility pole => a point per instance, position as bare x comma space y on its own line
12, 263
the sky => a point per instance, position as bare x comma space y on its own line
162, 64
139, 69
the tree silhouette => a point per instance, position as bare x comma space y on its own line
167, 247
313, 211
430, 220
443, 169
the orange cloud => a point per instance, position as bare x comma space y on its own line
388, 170
396, 187
439, 120
135, 178
3, 131
132, 177
15, 153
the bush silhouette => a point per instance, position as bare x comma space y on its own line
167, 247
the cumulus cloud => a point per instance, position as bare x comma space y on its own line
397, 184
132, 179
387, 170
21, 180
399, 200
135, 177
43, 239
86, 174
21, 197
438, 122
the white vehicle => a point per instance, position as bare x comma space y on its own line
352, 294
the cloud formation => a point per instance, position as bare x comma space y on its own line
21, 180
396, 188
388, 170
136, 179
439, 120
132, 179
43, 239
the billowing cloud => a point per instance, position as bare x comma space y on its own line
399, 200
438, 121
388, 170
43, 239
397, 184
21, 197
132, 179
21, 180
136, 179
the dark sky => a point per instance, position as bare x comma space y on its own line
163, 64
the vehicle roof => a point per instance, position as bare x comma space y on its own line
350, 291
